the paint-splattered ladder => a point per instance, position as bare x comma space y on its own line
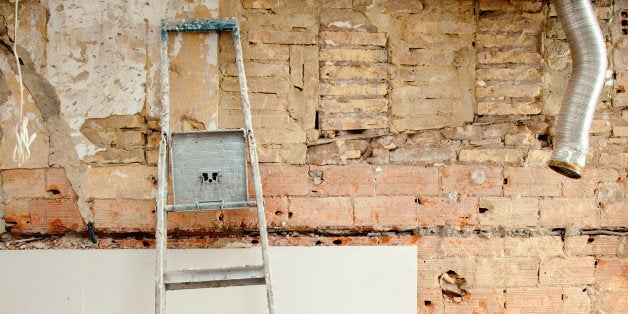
195, 145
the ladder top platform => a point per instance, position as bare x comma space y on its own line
197, 25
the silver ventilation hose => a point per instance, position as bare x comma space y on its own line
588, 51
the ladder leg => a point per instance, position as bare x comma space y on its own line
160, 233
257, 181
160, 213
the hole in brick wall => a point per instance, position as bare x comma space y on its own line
427, 302
316, 122
221, 216
318, 243
418, 200
624, 14
278, 213
54, 191
505, 180
453, 286
482, 210
624, 31
145, 243
543, 138
289, 214
584, 289
595, 263
254, 241
590, 239
337, 242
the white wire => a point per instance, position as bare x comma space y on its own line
22, 150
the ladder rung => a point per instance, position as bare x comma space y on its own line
216, 277
199, 25
209, 206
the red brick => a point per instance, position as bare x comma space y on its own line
567, 271
600, 245
430, 301
614, 214
316, 212
406, 180
381, 212
611, 273
23, 183
507, 272
480, 301
543, 246
282, 180
57, 184
591, 179
344, 180
276, 209
472, 180
562, 212
54, 216
438, 211
194, 221
124, 215
532, 182
18, 212
534, 300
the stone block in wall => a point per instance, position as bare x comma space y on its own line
430, 269
263, 51
545, 299
567, 271
532, 182
569, 212
128, 215
589, 245
508, 108
353, 54
23, 183
321, 212
406, 180
542, 246
422, 156
132, 182
507, 272
472, 180
352, 38
445, 211
352, 121
505, 211
335, 153
282, 37
575, 300
343, 180
385, 212
491, 155
479, 300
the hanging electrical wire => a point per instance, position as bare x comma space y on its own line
22, 151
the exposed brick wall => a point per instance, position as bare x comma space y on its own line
379, 123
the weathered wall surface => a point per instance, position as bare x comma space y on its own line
424, 123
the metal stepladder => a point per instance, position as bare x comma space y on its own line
203, 181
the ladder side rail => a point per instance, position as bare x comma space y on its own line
257, 181
160, 213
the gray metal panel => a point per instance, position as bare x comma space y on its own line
209, 166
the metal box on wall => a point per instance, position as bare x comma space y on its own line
209, 166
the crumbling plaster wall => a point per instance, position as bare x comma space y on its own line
424, 123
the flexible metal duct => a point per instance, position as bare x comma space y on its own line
588, 52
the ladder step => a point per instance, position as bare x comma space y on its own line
214, 277
199, 206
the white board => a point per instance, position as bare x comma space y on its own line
308, 280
